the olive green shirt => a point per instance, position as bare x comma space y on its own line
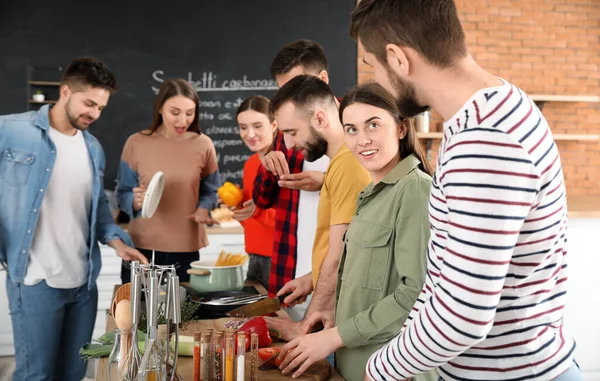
383, 265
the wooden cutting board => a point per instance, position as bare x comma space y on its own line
319, 371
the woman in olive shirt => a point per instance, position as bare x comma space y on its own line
383, 264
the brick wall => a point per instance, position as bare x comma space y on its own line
544, 47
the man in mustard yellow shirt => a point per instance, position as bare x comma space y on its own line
307, 113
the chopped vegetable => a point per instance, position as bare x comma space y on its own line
266, 353
279, 360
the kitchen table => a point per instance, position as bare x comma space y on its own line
185, 364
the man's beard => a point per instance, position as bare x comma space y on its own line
316, 147
73, 119
406, 100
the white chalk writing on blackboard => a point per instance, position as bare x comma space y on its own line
223, 130
235, 158
208, 82
231, 175
228, 143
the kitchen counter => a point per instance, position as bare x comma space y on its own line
228, 230
212, 230
185, 364
584, 206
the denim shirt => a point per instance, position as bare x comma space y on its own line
27, 156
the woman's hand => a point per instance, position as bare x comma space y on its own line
139, 193
308, 349
245, 212
202, 216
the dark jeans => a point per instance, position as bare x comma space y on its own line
161, 258
259, 269
50, 325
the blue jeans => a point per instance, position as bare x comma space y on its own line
49, 327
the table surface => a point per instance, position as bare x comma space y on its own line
583, 206
184, 364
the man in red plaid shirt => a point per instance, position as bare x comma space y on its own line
290, 184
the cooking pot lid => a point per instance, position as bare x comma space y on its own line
153, 195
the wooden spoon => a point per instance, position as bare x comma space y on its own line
123, 315
124, 323
123, 292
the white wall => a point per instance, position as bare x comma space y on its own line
582, 313
6, 338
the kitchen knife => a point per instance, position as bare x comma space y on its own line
260, 308
269, 363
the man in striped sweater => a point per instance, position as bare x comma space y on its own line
493, 301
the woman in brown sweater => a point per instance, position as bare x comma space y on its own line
175, 146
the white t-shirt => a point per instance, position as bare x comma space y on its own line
307, 220
59, 251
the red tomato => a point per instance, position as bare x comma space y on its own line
278, 361
266, 353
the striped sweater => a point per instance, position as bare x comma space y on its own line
493, 301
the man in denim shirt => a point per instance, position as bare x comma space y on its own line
53, 212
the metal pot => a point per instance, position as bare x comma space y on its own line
206, 277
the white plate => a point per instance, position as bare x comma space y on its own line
153, 194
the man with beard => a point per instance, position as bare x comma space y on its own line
306, 112
53, 212
494, 296
291, 184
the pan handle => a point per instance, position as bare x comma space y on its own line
198, 272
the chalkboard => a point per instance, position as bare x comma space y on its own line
223, 47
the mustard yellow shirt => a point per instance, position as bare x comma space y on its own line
344, 179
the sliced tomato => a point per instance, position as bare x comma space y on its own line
265, 353
278, 361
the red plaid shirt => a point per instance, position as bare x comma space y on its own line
268, 194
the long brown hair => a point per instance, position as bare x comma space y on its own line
256, 103
170, 88
375, 95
